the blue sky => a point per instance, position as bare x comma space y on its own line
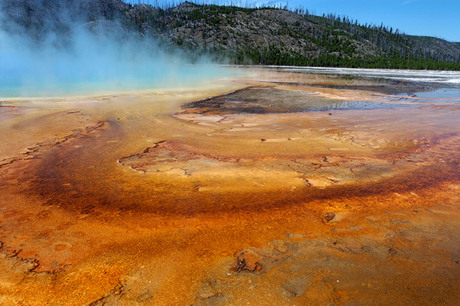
439, 18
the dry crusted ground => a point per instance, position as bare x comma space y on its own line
133, 199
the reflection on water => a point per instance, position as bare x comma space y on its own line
442, 94
422, 76
395, 85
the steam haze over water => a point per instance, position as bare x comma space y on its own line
91, 58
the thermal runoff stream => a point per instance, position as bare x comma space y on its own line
266, 186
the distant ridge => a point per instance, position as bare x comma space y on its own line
236, 35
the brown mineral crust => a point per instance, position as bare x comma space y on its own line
328, 217
248, 260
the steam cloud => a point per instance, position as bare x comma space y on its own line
79, 57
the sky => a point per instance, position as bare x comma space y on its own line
438, 18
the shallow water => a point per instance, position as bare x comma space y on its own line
147, 197
443, 94
167, 76
263, 100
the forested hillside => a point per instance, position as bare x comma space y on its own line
238, 35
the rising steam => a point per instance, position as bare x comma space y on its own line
79, 57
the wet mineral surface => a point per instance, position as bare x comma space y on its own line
278, 188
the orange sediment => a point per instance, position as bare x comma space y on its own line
133, 199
